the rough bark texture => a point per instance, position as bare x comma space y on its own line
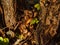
49, 20
8, 12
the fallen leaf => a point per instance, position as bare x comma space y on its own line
28, 21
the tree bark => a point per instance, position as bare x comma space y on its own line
49, 20
8, 12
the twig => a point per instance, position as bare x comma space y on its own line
1, 32
20, 41
16, 26
17, 42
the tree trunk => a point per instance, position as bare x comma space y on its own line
8, 12
49, 20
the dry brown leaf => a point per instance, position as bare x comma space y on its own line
26, 17
25, 44
35, 14
26, 12
22, 27
29, 34
31, 27
28, 21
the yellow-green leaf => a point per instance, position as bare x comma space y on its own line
35, 20
1, 39
6, 40
37, 6
21, 37
32, 22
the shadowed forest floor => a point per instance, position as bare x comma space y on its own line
30, 22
